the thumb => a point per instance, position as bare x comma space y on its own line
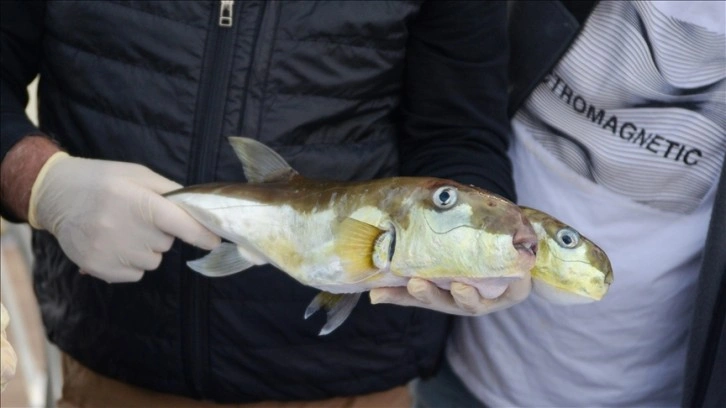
169, 217
387, 295
156, 182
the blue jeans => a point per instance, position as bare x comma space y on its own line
444, 390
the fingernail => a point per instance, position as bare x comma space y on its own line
417, 287
378, 297
210, 242
422, 292
464, 291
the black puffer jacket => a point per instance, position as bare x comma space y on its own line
348, 90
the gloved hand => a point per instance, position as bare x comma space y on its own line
109, 217
8, 359
463, 300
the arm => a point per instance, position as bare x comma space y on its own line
18, 170
20, 44
456, 126
455, 106
109, 218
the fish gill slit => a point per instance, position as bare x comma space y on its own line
392, 245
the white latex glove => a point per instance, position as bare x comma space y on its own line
8, 359
462, 300
110, 217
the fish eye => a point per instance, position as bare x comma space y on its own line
445, 197
568, 238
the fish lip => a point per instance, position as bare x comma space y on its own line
528, 247
525, 241
609, 278
527, 254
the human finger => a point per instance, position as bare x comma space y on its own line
419, 293
146, 261
117, 275
173, 220
468, 299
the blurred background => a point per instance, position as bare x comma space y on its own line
38, 376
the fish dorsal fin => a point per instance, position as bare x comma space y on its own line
355, 245
261, 164
337, 306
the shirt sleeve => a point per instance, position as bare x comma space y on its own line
20, 42
454, 109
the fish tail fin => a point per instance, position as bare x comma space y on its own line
224, 260
337, 306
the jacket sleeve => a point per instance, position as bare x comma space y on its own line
705, 370
454, 109
20, 39
21, 24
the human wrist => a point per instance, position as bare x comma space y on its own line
19, 170
35, 191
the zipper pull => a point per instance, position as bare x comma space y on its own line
225, 13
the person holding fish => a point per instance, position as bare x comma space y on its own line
138, 98
619, 123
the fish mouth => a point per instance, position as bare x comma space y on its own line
525, 241
529, 248
609, 278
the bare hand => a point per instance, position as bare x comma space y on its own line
462, 300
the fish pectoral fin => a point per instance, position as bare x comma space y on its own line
355, 245
224, 260
337, 306
261, 164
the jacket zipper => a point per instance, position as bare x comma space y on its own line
207, 129
226, 10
